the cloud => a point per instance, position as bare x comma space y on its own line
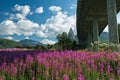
7, 27
22, 27
73, 6
55, 8
118, 17
9, 37
106, 29
26, 27
22, 12
19, 16
47, 41
6, 13
40, 34
118, 21
57, 24
39, 10
25, 10
27, 37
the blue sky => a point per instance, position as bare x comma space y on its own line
40, 20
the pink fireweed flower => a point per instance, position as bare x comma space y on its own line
33, 78
13, 69
118, 72
81, 77
29, 59
109, 69
4, 65
40, 59
111, 79
46, 64
15, 60
1, 78
65, 77
56, 74
118, 63
101, 68
46, 74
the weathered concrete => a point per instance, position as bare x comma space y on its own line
119, 27
95, 30
112, 21
90, 37
119, 31
87, 11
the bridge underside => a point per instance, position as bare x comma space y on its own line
92, 18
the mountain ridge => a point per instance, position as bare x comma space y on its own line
30, 42
6, 43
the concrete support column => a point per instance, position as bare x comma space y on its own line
95, 30
112, 21
118, 26
89, 40
119, 31
89, 37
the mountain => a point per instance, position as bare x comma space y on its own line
29, 42
104, 37
71, 35
5, 43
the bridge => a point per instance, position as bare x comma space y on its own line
92, 18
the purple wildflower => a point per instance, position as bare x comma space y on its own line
65, 77
29, 59
111, 79
13, 69
1, 78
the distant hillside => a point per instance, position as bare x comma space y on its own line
5, 43
29, 42
104, 37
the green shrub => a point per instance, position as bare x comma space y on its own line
98, 46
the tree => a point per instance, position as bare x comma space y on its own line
63, 41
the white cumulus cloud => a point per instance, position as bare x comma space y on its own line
9, 37
73, 6
7, 27
25, 10
22, 27
118, 21
106, 29
47, 41
39, 10
40, 34
27, 37
57, 24
26, 27
118, 17
22, 12
55, 8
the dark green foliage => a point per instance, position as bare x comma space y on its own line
65, 43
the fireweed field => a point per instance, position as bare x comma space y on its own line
59, 65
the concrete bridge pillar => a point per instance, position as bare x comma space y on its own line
95, 30
90, 38
112, 21
119, 31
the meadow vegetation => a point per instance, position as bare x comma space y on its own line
59, 65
